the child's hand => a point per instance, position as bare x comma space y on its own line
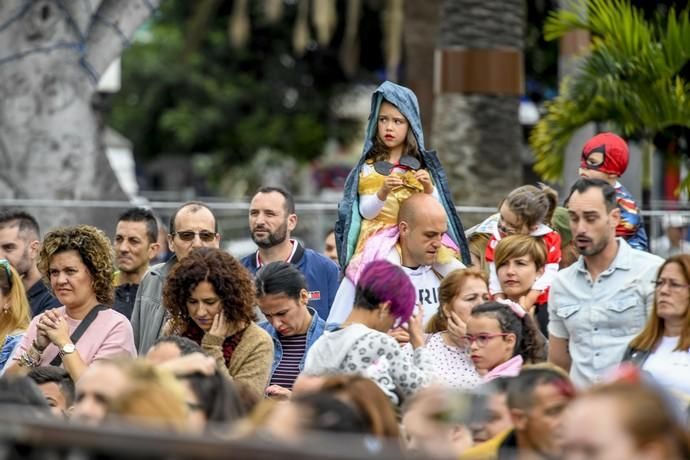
422, 175
391, 182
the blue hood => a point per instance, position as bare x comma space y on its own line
349, 220
405, 101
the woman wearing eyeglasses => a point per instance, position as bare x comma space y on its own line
502, 336
663, 347
14, 311
78, 262
394, 165
209, 296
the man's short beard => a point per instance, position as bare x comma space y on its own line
273, 239
594, 249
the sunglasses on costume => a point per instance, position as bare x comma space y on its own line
407, 162
483, 338
188, 235
6, 265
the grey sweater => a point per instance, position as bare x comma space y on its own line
149, 312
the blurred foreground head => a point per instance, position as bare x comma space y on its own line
134, 392
436, 422
623, 421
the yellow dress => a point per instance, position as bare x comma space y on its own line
369, 184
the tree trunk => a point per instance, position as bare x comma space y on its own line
52, 55
476, 129
421, 30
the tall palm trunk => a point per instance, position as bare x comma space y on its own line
478, 83
421, 31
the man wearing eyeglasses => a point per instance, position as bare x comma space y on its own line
192, 225
19, 244
602, 301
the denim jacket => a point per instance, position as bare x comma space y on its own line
315, 330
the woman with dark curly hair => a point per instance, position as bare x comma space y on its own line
78, 262
502, 336
209, 296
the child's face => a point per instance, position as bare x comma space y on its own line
489, 345
590, 164
595, 174
508, 222
392, 126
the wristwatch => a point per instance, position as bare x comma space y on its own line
66, 349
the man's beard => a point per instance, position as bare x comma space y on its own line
594, 249
25, 263
271, 239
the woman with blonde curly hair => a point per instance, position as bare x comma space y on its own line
210, 299
78, 262
14, 311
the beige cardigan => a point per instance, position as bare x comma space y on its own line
251, 361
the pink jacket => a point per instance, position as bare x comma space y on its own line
510, 368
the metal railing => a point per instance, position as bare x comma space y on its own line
316, 218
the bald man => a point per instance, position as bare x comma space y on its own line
422, 222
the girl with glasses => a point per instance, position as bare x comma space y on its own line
14, 311
394, 166
662, 349
501, 337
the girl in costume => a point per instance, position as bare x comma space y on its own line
393, 166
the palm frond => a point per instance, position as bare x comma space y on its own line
628, 78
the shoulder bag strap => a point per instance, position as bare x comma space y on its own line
79, 331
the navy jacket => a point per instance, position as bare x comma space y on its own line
321, 273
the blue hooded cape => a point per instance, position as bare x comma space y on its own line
349, 221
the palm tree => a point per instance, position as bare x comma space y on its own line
476, 128
629, 78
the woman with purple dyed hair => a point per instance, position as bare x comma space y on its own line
384, 299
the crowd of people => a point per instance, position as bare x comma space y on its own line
543, 332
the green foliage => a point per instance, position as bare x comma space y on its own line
210, 97
630, 78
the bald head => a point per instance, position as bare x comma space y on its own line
420, 205
422, 222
